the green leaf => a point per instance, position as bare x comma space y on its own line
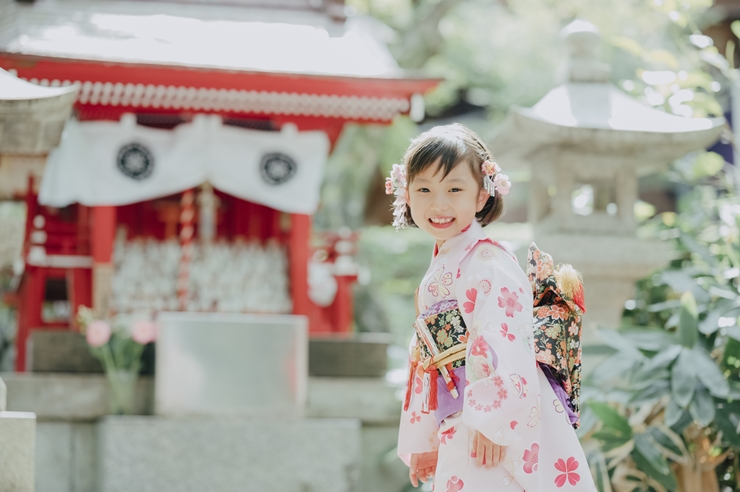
729, 430
667, 480
654, 391
695, 247
733, 332
702, 407
666, 443
599, 471
735, 26
661, 359
611, 419
672, 413
688, 324
652, 339
707, 164
710, 374
616, 340
644, 445
616, 365
683, 379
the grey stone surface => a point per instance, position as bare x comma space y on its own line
381, 469
17, 450
54, 457
66, 457
84, 397
356, 355
159, 454
31, 117
3, 395
61, 351
371, 400
69, 396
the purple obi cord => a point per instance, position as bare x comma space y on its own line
559, 392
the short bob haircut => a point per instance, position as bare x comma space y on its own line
448, 146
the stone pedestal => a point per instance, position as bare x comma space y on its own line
17, 451
349, 355
160, 454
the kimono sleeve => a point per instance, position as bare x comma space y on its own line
418, 431
502, 398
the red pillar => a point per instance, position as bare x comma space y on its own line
30, 303
102, 236
343, 304
299, 252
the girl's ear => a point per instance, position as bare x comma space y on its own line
483, 197
406, 195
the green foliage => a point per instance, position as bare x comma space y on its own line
678, 357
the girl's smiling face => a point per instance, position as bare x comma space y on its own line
445, 205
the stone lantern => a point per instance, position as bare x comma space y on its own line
586, 143
32, 118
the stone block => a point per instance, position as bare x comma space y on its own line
61, 351
54, 457
17, 451
231, 364
381, 468
3, 395
352, 355
68, 352
189, 454
371, 400
71, 397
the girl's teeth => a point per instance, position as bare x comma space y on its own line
441, 221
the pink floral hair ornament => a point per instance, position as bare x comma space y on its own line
396, 185
493, 180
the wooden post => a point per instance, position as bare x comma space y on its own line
102, 238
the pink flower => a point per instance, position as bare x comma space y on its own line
488, 168
481, 368
502, 184
388, 186
455, 484
144, 332
98, 333
505, 332
415, 418
531, 457
568, 472
448, 434
471, 294
398, 175
480, 346
510, 301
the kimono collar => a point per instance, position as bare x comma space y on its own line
463, 241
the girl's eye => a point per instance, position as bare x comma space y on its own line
455, 190
424, 190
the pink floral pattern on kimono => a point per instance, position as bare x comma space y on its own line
504, 385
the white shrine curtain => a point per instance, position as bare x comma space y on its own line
111, 163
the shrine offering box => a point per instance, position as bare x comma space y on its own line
231, 364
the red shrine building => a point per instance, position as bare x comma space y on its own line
188, 173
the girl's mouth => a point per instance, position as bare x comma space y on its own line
441, 222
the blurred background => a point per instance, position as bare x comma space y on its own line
197, 266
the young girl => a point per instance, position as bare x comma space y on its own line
479, 413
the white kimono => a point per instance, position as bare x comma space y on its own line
507, 397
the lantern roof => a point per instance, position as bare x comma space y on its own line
39, 111
589, 113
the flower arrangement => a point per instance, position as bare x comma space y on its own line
119, 346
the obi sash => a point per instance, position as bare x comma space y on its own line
440, 352
558, 307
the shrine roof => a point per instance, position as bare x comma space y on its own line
204, 36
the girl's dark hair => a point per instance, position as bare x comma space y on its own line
451, 145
